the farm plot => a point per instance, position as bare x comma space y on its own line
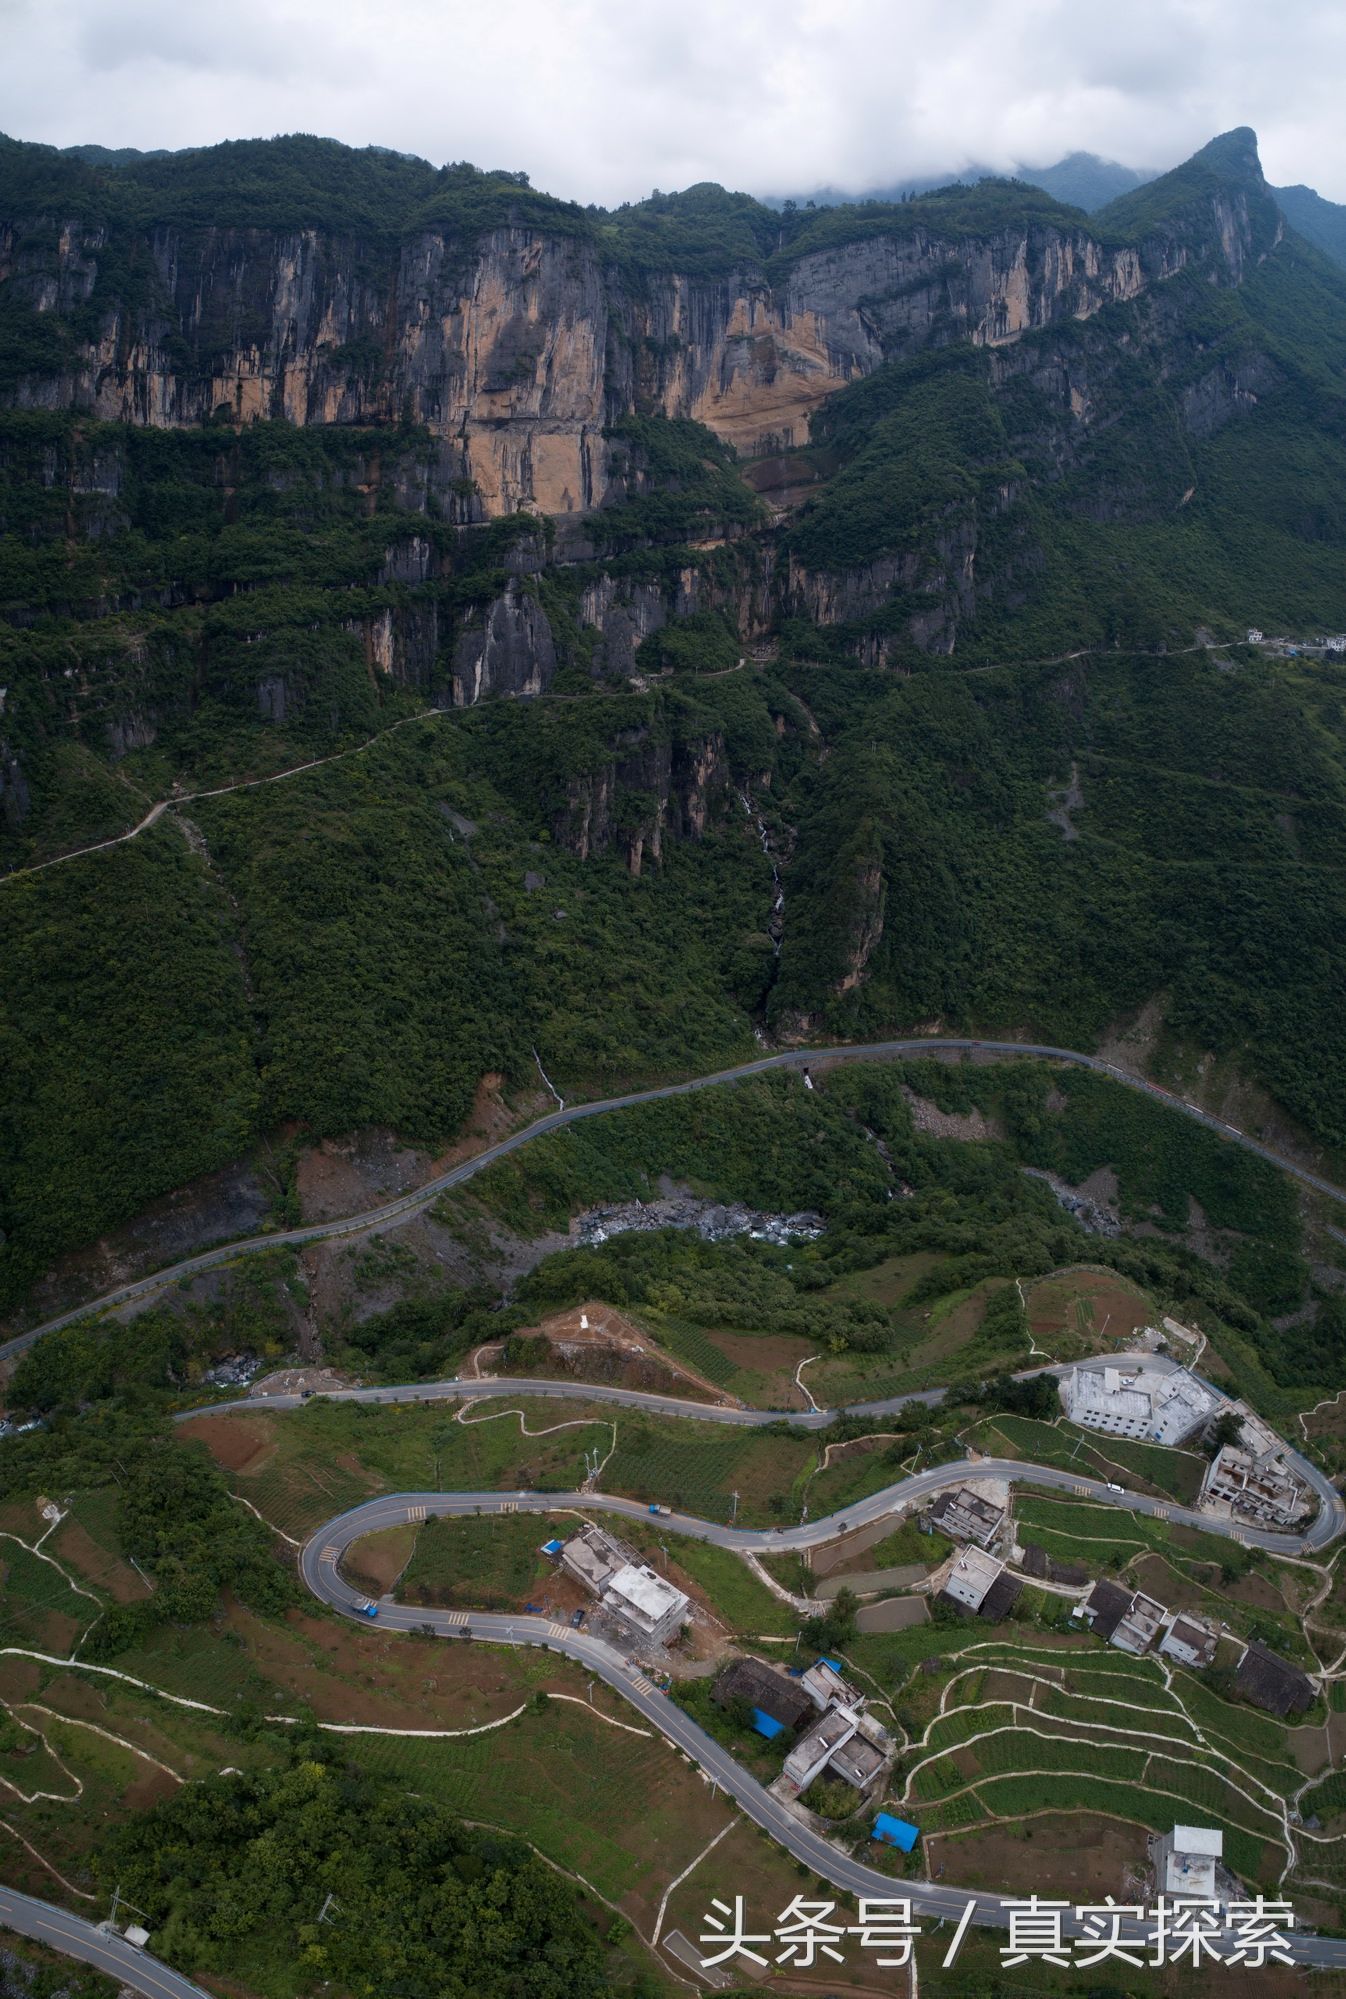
1081, 1311
87, 1543
1010, 1731
38, 1605
619, 1808
1175, 1474
681, 1466
300, 1467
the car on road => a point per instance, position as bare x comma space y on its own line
1114, 1487
368, 1609
577, 1619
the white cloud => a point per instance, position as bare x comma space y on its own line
604, 99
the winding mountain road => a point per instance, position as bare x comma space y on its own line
406, 1205
319, 1559
1327, 1524
320, 1566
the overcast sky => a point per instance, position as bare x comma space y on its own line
602, 100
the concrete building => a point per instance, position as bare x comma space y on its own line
1190, 1640
1256, 1488
965, 1516
593, 1557
766, 1691
970, 1577
1141, 1625
645, 1604
1256, 1437
814, 1751
858, 1761
1126, 1618
1186, 1861
646, 1607
1160, 1405
826, 1688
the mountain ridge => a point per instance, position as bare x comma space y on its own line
724, 538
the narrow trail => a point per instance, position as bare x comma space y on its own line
179, 798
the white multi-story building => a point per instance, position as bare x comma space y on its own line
646, 1606
1190, 1640
1186, 1861
826, 1688
1255, 1488
645, 1603
965, 1516
970, 1577
1126, 1618
814, 1751
1158, 1405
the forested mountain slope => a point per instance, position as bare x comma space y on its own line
876, 551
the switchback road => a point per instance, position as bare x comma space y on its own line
406, 1205
1324, 1528
319, 1564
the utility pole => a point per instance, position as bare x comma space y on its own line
119, 1902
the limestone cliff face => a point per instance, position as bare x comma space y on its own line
517, 348
507, 649
653, 788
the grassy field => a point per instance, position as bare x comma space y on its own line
1145, 1467
300, 1467
482, 1564
692, 1468
1080, 1311
616, 1806
930, 1339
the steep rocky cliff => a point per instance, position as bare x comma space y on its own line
518, 345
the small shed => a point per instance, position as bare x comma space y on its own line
767, 1724
900, 1833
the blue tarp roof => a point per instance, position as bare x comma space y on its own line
898, 1832
552, 1547
767, 1724
835, 1664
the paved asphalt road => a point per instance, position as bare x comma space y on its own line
319, 1561
794, 1058
82, 1939
75, 1936
1324, 1528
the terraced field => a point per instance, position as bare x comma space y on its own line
1011, 1731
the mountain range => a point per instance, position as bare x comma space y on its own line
1084, 180
763, 623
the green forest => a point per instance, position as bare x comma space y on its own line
970, 737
